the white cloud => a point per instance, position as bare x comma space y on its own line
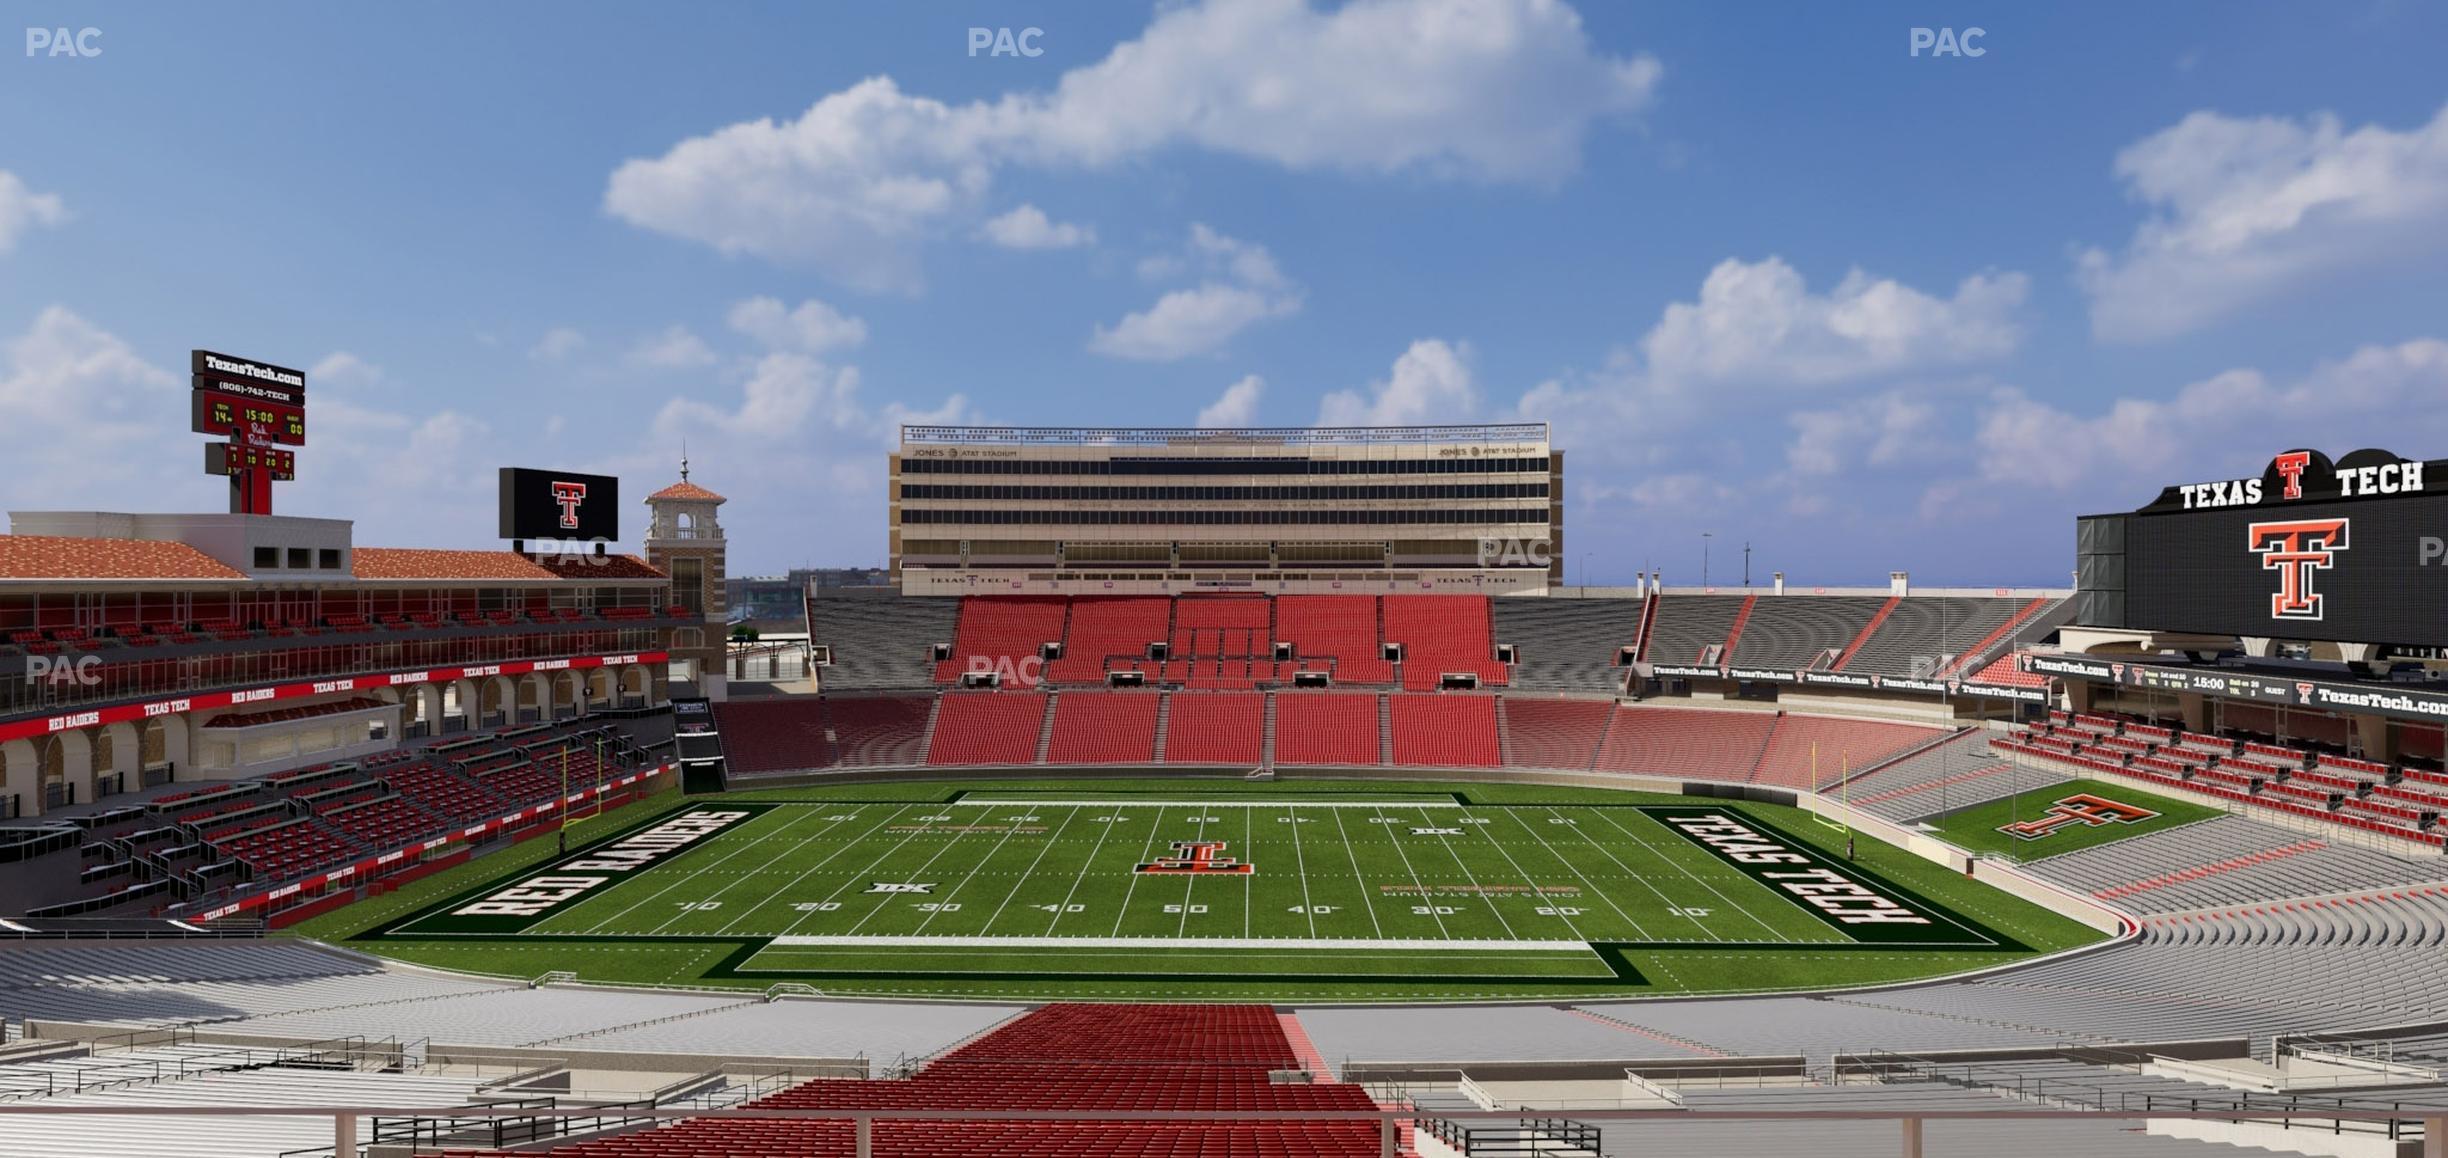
1758, 323
676, 348
1499, 90
1028, 227
1187, 322
22, 208
2243, 210
1242, 287
1431, 383
556, 344
341, 368
1881, 431
2221, 426
1236, 407
813, 328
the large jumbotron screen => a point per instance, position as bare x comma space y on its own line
2355, 550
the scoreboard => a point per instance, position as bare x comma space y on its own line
2353, 550
255, 408
249, 420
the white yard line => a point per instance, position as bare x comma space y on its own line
1224, 803
884, 940
846, 882
1535, 895
1477, 889
948, 845
1359, 878
1145, 855
1660, 893
1053, 839
1638, 933
1688, 874
1300, 865
1416, 882
974, 869
1111, 818
684, 878
784, 891
1190, 881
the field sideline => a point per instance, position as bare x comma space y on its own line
1307, 889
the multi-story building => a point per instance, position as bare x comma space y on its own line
1471, 508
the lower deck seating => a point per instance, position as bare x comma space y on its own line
1687, 743
987, 728
1104, 728
1542, 733
1224, 728
1326, 728
1808, 751
1446, 731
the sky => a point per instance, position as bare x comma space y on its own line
1770, 273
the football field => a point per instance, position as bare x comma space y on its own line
1007, 882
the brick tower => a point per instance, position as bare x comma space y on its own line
684, 540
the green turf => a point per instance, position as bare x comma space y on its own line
1438, 891
1978, 828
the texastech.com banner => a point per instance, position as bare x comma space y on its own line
1853, 902
522, 902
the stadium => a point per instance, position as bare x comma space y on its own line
1233, 792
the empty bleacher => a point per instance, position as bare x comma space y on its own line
1445, 731
1333, 633
1110, 633
1554, 733
1104, 728
1567, 645
1222, 728
1441, 635
987, 728
1808, 751
879, 639
1692, 744
1788, 632
1002, 631
1334, 728
1222, 641
1923, 628
1684, 627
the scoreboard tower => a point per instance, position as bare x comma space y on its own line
256, 409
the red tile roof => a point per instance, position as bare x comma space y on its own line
64, 557
415, 563
685, 489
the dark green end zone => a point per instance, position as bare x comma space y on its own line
1843, 896
514, 904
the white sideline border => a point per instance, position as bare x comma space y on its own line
888, 941
1376, 804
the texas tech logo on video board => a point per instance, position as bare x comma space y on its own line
1196, 856
2297, 549
559, 504
569, 496
2083, 809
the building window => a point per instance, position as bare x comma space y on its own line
688, 584
267, 557
300, 558
330, 559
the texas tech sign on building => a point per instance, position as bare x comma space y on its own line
2353, 549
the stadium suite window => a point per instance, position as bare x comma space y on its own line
267, 558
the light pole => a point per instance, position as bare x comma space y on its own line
1585, 572
1705, 536
1746, 562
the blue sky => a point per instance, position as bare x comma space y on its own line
1770, 275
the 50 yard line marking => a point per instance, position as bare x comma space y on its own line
1145, 854
1190, 880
